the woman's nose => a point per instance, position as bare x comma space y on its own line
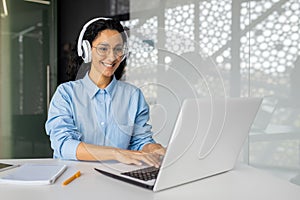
111, 55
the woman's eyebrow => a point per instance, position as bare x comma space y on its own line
103, 44
107, 45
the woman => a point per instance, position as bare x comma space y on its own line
99, 117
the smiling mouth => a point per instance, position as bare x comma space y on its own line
108, 65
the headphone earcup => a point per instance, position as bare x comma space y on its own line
86, 51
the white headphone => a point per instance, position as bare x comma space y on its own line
83, 46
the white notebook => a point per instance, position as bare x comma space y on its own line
34, 174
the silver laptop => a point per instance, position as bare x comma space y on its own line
206, 140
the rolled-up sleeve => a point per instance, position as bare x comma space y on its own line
60, 126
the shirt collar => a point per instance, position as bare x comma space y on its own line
111, 86
92, 88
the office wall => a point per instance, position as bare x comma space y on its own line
213, 48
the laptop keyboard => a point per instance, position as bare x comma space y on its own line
144, 174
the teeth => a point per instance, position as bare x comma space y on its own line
107, 65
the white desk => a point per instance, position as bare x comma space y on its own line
242, 183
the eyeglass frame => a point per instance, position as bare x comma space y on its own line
109, 49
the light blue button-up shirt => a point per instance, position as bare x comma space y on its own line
116, 116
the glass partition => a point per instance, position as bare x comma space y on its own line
25, 61
223, 48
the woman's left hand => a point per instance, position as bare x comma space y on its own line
154, 148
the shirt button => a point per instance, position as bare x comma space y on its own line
102, 123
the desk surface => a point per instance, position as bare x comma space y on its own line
243, 182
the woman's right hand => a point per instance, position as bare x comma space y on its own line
137, 157
93, 152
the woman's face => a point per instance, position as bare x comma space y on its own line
107, 53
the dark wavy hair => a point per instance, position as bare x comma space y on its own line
90, 34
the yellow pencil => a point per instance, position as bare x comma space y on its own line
69, 180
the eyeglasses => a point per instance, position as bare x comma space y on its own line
104, 50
